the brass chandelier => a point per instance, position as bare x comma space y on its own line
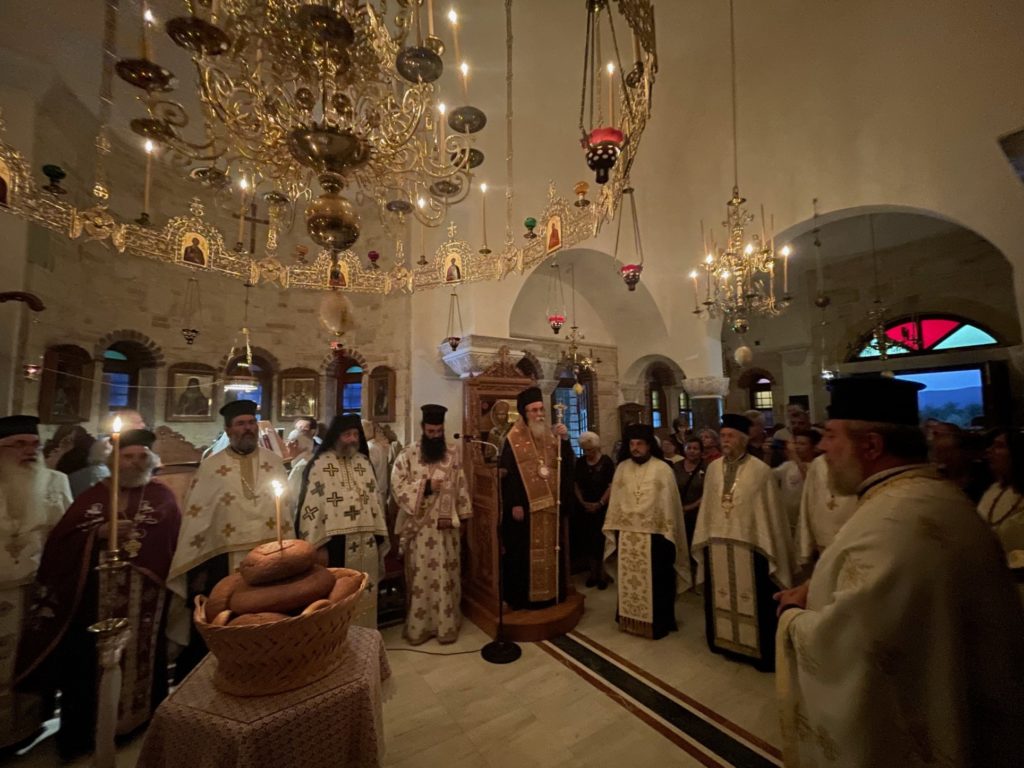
740, 275
296, 92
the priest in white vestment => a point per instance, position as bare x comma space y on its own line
378, 455
743, 548
430, 489
906, 648
645, 525
1002, 505
792, 473
339, 509
822, 513
32, 501
229, 509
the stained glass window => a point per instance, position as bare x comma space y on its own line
925, 335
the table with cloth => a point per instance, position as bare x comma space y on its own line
336, 721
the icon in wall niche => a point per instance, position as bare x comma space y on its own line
194, 249
190, 395
453, 268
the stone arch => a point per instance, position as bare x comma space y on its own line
636, 374
267, 356
751, 376
530, 366
330, 361
153, 356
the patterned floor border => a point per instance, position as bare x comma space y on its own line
705, 735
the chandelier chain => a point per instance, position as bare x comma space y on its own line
735, 141
509, 236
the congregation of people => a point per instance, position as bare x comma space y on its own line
869, 561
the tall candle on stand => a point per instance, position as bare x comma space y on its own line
149, 172
786, 250
243, 184
115, 485
278, 490
147, 19
696, 295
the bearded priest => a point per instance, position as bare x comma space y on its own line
530, 528
57, 649
906, 648
743, 548
429, 485
340, 510
230, 508
32, 501
645, 525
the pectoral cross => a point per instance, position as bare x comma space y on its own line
251, 218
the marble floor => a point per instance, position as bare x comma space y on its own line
456, 710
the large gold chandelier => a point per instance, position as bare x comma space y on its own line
293, 93
740, 274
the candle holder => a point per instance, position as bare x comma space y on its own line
112, 560
143, 220
467, 119
530, 223
55, 174
631, 275
581, 190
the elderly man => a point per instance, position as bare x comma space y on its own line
645, 525
59, 651
796, 418
300, 445
907, 645
433, 500
32, 501
339, 508
530, 526
743, 549
230, 508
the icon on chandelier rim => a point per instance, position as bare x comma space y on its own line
553, 236
194, 249
338, 275
453, 268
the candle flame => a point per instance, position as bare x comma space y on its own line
243, 183
725, 275
786, 250
453, 17
150, 146
442, 108
709, 259
278, 488
611, 68
117, 424
421, 202
483, 187
149, 17
749, 249
693, 274
464, 68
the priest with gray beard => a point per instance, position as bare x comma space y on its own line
32, 501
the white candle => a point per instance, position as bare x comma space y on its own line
453, 17
430, 17
115, 485
443, 111
483, 210
696, 295
243, 184
149, 172
464, 68
278, 490
786, 250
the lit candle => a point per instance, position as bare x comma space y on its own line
115, 485
149, 171
442, 110
786, 250
278, 490
709, 260
453, 17
423, 229
430, 17
611, 93
696, 295
243, 184
483, 210
464, 68
147, 19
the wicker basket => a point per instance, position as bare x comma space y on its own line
264, 659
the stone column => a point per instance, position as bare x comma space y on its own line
706, 395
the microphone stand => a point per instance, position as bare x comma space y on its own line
559, 416
499, 650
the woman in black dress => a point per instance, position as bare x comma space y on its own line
593, 481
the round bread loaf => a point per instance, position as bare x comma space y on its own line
221, 619
345, 586
285, 596
269, 562
221, 593
251, 619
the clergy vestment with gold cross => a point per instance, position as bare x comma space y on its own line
341, 510
229, 509
530, 546
23, 534
910, 651
744, 552
431, 553
645, 524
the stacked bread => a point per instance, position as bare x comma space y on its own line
277, 581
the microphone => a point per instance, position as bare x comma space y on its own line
471, 439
